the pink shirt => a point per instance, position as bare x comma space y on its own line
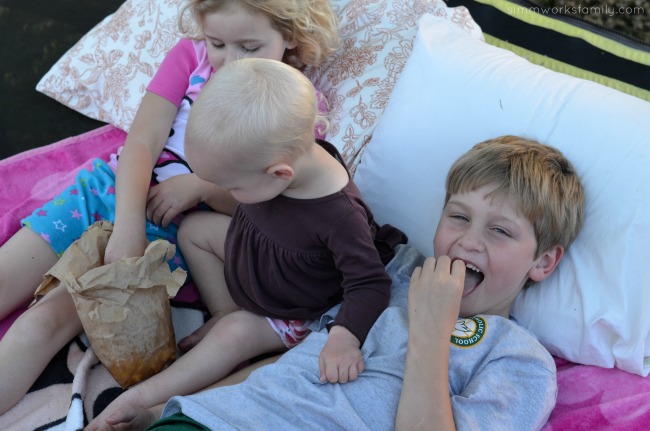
183, 73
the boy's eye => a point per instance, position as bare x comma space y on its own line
501, 231
250, 50
218, 45
459, 217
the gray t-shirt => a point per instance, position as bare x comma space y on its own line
500, 378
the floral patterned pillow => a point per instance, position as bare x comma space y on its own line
105, 74
376, 40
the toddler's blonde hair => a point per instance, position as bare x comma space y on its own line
254, 110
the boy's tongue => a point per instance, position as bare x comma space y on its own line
472, 279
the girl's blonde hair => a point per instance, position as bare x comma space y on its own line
310, 23
272, 121
542, 183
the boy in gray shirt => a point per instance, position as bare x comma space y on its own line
512, 208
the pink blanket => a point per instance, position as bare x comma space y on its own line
589, 398
593, 398
31, 178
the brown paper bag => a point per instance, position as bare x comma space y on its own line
124, 306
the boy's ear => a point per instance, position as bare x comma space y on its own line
281, 171
291, 44
546, 263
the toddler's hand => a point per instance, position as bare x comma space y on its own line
171, 197
340, 360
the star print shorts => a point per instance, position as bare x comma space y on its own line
91, 198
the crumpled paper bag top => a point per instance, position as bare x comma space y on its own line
123, 306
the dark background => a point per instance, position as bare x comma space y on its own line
34, 34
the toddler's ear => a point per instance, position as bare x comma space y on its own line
281, 171
546, 263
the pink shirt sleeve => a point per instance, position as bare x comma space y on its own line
172, 79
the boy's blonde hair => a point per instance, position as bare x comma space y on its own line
310, 23
541, 181
254, 109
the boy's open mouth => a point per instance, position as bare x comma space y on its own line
473, 277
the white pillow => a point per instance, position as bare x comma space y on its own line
456, 91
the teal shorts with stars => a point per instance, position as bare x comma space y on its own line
91, 198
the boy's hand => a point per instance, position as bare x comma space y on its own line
340, 360
435, 293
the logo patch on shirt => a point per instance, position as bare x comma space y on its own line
468, 332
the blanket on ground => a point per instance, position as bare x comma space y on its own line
75, 387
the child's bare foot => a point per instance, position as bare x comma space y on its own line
187, 343
124, 419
